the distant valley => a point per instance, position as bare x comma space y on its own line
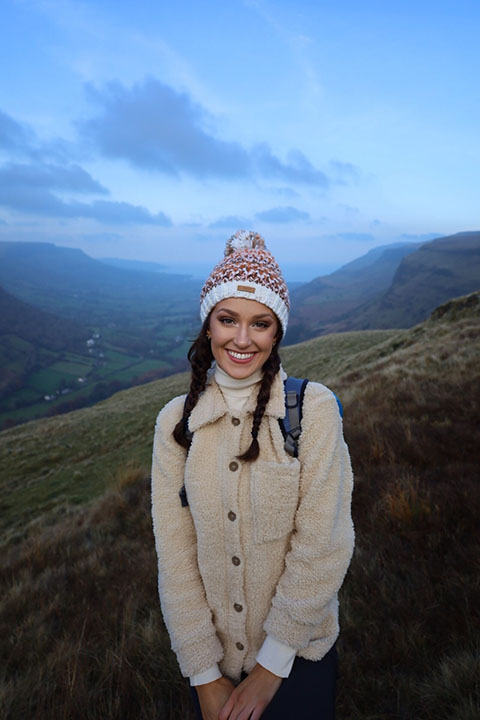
74, 330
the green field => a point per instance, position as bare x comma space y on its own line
28, 402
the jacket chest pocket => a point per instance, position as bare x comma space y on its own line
274, 496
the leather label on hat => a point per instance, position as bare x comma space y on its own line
245, 288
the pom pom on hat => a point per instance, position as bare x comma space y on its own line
250, 271
242, 240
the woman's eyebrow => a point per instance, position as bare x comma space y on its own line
262, 315
254, 317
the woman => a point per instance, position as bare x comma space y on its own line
253, 544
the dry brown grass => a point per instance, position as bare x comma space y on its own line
82, 635
80, 620
411, 601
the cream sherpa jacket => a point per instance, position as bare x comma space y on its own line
263, 546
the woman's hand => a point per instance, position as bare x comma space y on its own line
213, 696
251, 697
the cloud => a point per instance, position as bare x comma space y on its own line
121, 213
297, 169
344, 172
13, 136
154, 127
28, 189
71, 178
350, 210
20, 141
230, 222
285, 214
33, 187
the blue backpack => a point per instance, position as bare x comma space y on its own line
291, 424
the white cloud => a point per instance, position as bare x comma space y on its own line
286, 214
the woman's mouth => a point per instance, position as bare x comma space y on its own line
239, 357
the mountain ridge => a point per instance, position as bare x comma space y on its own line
329, 298
432, 273
40, 273
439, 270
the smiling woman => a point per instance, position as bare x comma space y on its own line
252, 543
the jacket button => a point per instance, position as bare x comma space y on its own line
233, 466
239, 646
235, 560
232, 516
238, 607
235, 421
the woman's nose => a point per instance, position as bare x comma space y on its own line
242, 337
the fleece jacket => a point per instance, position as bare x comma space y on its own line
263, 546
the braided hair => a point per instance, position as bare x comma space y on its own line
200, 357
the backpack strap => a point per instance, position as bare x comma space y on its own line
291, 424
182, 493
340, 408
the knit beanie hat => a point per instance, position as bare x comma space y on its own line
249, 271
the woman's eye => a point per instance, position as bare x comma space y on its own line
262, 324
226, 320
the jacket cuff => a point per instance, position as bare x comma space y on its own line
276, 656
293, 633
199, 655
207, 676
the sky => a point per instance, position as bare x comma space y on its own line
154, 130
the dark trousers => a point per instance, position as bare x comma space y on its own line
308, 692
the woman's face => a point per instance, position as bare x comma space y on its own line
242, 335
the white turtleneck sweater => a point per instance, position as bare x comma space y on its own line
273, 655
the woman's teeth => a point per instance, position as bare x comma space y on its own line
240, 356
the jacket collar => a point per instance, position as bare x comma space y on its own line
211, 404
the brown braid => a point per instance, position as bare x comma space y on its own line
200, 357
270, 369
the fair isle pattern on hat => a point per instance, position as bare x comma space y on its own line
250, 271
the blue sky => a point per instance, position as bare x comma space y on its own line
153, 130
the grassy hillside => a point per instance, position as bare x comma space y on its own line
79, 613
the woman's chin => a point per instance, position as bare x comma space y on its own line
238, 370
